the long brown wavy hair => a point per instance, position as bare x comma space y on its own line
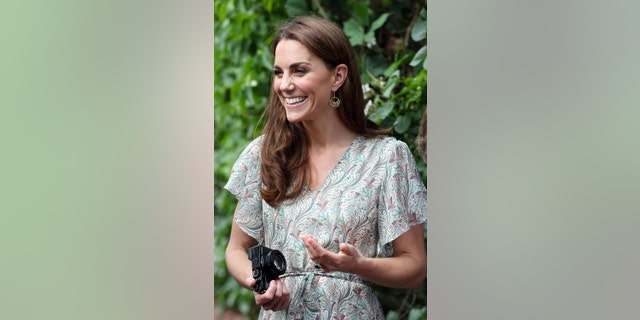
284, 151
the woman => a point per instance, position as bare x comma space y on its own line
331, 190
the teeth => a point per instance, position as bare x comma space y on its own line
295, 100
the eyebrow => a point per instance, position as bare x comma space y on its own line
293, 65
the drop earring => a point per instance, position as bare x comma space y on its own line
335, 101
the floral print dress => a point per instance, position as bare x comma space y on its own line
372, 196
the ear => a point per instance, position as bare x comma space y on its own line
339, 76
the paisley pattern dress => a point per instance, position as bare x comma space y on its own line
373, 195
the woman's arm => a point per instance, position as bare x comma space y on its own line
239, 265
407, 268
238, 262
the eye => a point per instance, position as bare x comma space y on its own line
301, 70
277, 73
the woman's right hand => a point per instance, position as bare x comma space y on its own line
275, 298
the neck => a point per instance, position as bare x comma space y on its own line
331, 134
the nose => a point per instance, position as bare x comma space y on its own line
285, 83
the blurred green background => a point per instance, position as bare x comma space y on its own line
390, 38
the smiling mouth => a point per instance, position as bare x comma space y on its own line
297, 100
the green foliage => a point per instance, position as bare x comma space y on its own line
414, 314
390, 38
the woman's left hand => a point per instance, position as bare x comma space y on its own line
346, 260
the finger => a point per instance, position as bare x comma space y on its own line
286, 295
263, 299
281, 304
279, 286
265, 302
281, 299
309, 240
271, 291
250, 282
348, 249
272, 305
316, 249
276, 304
277, 301
313, 252
306, 240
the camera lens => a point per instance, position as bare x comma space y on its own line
279, 264
276, 259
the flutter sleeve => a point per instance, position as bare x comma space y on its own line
244, 183
403, 198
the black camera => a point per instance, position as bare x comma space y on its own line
267, 265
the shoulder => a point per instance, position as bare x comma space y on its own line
256, 143
383, 141
250, 155
253, 148
387, 146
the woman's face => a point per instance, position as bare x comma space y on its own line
302, 81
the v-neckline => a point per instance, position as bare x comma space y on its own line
331, 172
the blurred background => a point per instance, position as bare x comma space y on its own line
390, 38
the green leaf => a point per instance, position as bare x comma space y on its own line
220, 11
393, 80
423, 13
419, 30
383, 112
268, 5
354, 32
360, 12
392, 315
393, 67
296, 8
368, 37
418, 314
379, 22
389, 88
419, 56
402, 123
376, 65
